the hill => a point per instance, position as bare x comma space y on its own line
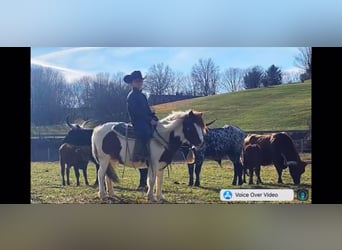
281, 107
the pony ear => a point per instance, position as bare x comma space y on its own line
192, 112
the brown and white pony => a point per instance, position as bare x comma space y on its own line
170, 133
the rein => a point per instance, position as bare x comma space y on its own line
164, 142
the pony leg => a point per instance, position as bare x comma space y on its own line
110, 189
97, 166
62, 173
237, 179
159, 184
191, 174
151, 179
77, 174
68, 174
85, 175
257, 172
251, 171
279, 171
101, 177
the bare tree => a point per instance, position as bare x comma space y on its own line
107, 97
86, 83
177, 86
49, 96
159, 79
232, 79
304, 60
189, 87
205, 74
290, 76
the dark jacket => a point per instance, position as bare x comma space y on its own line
138, 107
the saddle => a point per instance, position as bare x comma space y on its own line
140, 153
121, 128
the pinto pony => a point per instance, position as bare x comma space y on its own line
109, 146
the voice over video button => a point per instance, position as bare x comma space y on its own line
257, 195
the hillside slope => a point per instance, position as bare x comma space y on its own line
282, 107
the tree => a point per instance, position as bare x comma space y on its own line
107, 98
189, 86
49, 96
85, 85
159, 80
252, 79
205, 74
304, 60
273, 76
304, 76
232, 79
177, 86
290, 76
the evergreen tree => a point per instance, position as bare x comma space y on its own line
273, 76
252, 79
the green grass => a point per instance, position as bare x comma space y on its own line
282, 107
46, 184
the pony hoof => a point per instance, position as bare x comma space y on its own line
152, 200
102, 195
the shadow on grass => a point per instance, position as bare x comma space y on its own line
215, 189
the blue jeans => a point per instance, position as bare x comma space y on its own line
144, 131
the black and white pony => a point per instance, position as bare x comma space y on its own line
109, 146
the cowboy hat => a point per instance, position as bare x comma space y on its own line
135, 75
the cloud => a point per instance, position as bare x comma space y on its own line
64, 52
70, 74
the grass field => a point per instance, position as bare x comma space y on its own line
46, 184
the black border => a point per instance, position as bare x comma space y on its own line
325, 125
326, 172
15, 172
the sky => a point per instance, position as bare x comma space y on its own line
75, 62
147, 23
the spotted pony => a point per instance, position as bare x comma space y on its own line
219, 143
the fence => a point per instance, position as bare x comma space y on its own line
45, 147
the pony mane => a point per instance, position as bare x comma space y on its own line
176, 117
173, 120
